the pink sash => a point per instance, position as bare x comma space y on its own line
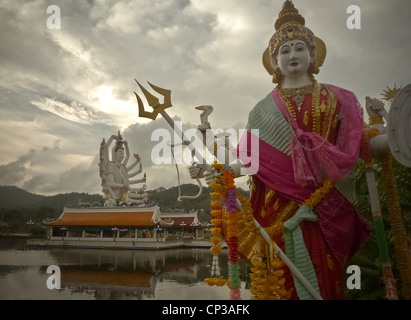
296, 176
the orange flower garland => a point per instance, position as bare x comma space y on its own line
216, 212
267, 278
225, 191
319, 193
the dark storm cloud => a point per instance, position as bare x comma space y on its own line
15, 172
75, 85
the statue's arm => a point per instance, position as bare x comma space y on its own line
144, 179
127, 153
110, 140
137, 157
108, 143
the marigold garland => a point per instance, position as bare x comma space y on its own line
215, 231
278, 226
216, 281
225, 192
216, 211
319, 193
267, 278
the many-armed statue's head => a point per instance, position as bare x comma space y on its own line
119, 149
293, 50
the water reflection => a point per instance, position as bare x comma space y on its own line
110, 274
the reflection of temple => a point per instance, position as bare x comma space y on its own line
128, 274
103, 282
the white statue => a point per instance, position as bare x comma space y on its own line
115, 174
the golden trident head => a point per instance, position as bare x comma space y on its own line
153, 101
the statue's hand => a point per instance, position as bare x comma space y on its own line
374, 106
209, 176
137, 157
198, 171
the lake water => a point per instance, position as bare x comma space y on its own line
105, 274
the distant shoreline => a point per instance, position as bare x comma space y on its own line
16, 235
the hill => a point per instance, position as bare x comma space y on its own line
21, 206
12, 197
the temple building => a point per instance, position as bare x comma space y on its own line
124, 227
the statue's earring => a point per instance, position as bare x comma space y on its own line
313, 69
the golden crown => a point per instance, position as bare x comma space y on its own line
291, 25
289, 32
288, 15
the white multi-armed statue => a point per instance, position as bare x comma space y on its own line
116, 175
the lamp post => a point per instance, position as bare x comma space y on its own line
114, 229
158, 232
182, 224
194, 230
29, 224
63, 229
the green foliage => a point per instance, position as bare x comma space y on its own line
166, 199
12, 197
367, 258
24, 212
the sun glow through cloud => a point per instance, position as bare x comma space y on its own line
230, 22
124, 111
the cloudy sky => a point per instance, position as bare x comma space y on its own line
63, 90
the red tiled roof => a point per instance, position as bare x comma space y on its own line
178, 221
105, 217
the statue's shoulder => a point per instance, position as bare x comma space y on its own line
348, 100
264, 114
262, 105
341, 93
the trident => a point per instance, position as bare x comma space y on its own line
158, 108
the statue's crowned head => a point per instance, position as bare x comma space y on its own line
290, 25
119, 143
119, 146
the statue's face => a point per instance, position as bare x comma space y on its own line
294, 58
120, 155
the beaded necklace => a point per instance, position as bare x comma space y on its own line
316, 114
298, 94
